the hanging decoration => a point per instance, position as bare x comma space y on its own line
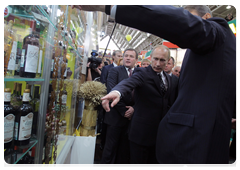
128, 37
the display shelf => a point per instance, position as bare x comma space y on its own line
13, 157
18, 78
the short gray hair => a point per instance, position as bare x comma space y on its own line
117, 51
200, 9
161, 46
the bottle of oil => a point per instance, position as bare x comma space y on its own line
23, 122
9, 119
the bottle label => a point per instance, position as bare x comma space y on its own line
26, 97
31, 59
7, 96
12, 60
25, 127
22, 58
52, 64
64, 99
16, 131
39, 62
65, 73
8, 128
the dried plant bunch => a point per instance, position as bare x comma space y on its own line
93, 91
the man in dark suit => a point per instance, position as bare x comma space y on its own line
103, 79
174, 81
151, 92
197, 127
116, 148
116, 56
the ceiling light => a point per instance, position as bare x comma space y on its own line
228, 7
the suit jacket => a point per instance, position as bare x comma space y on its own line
104, 73
149, 104
116, 115
173, 90
197, 127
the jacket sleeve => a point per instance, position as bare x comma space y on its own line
112, 80
176, 25
126, 86
103, 77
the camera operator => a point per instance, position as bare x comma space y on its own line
94, 67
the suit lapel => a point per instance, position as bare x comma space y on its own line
168, 82
154, 76
124, 71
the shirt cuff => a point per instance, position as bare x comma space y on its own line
117, 92
113, 11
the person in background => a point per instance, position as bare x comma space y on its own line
103, 79
169, 67
145, 62
116, 150
116, 56
176, 71
120, 62
94, 74
151, 93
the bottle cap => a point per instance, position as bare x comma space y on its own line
27, 91
7, 90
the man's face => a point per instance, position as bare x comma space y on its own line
145, 64
117, 57
129, 59
159, 59
176, 71
169, 66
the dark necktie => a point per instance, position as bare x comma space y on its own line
130, 72
162, 86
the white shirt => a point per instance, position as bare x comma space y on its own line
164, 79
114, 64
128, 71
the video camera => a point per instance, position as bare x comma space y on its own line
94, 62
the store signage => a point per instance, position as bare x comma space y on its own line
6, 12
234, 26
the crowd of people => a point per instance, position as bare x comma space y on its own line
161, 113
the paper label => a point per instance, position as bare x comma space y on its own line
26, 97
39, 62
8, 127
31, 59
64, 99
22, 58
25, 127
7, 96
12, 60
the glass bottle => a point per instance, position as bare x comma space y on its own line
35, 104
11, 50
28, 67
18, 55
23, 121
29, 86
17, 99
9, 119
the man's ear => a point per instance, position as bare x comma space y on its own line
206, 16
